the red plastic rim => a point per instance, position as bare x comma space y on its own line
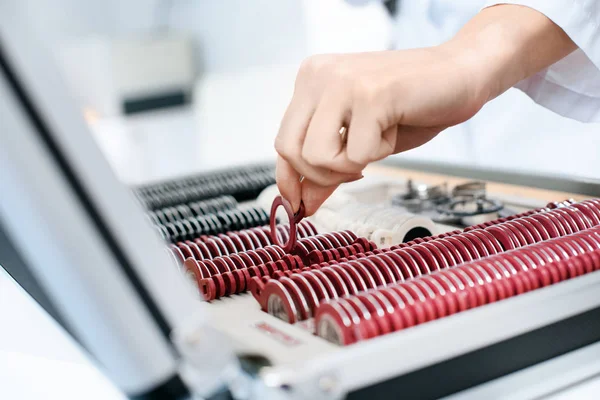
294, 219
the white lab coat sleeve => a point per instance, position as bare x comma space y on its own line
570, 87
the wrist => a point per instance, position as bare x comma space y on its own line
490, 60
473, 68
505, 44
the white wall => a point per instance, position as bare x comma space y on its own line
248, 52
509, 133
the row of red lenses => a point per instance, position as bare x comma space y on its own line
223, 276
566, 217
405, 304
348, 276
219, 284
549, 206
484, 225
208, 247
425, 239
353, 251
358, 248
320, 243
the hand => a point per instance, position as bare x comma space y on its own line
393, 101
390, 102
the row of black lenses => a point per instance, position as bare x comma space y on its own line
206, 177
213, 224
193, 209
243, 183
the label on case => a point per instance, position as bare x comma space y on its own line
278, 335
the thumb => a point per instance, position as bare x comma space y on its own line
288, 183
313, 195
408, 137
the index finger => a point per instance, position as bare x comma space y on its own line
313, 196
288, 183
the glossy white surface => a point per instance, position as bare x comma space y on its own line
234, 120
574, 375
38, 360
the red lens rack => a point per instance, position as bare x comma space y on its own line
237, 272
350, 319
208, 247
352, 274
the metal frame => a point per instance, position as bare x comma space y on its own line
100, 266
567, 184
12, 262
555, 376
456, 352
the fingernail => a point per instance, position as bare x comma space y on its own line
295, 206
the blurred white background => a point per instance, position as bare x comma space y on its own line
245, 58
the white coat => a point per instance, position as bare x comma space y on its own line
512, 132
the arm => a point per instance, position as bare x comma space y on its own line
394, 101
512, 42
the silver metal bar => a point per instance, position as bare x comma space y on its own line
374, 361
81, 231
568, 184
556, 375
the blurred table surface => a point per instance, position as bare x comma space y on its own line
167, 143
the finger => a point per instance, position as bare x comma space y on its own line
320, 176
288, 183
341, 162
290, 139
323, 144
364, 136
410, 137
314, 195
293, 126
387, 144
